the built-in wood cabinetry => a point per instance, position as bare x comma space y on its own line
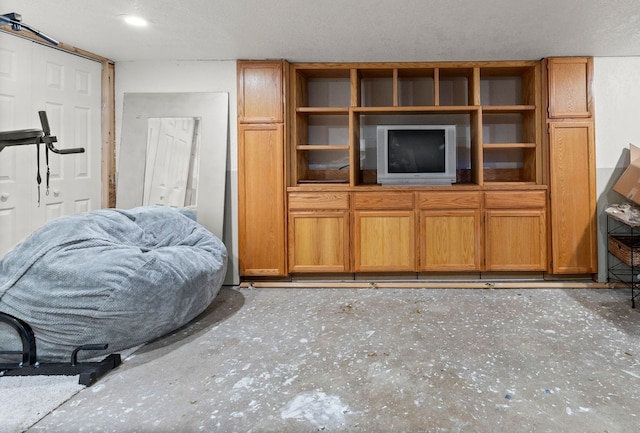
517, 168
571, 150
261, 168
414, 231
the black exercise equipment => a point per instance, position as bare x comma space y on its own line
28, 364
23, 137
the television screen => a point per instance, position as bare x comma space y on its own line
416, 151
416, 154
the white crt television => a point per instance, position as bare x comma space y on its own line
416, 154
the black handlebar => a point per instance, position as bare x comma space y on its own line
44, 121
65, 151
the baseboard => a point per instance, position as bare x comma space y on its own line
417, 284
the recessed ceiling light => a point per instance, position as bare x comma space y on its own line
135, 21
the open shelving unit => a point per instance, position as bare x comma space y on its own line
623, 258
495, 106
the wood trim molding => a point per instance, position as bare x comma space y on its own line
108, 135
492, 284
62, 46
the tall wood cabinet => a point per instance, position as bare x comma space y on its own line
261, 163
571, 150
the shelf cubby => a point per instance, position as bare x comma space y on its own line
377, 87
416, 87
329, 164
322, 88
502, 128
326, 129
508, 86
454, 86
322, 145
509, 164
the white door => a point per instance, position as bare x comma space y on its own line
17, 163
68, 88
169, 150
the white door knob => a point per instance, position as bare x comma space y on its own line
4, 196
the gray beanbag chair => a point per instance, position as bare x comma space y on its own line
110, 276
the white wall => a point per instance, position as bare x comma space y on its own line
616, 95
617, 103
191, 76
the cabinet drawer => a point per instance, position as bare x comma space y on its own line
449, 200
514, 199
383, 200
318, 200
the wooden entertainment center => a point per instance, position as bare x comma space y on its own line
523, 202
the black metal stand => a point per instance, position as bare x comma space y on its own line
624, 237
28, 365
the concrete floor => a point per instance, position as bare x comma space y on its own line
380, 360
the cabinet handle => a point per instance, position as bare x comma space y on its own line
4, 196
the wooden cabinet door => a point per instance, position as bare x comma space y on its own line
573, 203
450, 233
384, 241
569, 83
384, 238
261, 91
319, 232
319, 241
450, 240
515, 231
261, 210
515, 240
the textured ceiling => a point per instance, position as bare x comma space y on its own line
339, 30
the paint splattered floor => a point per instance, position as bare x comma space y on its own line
380, 360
